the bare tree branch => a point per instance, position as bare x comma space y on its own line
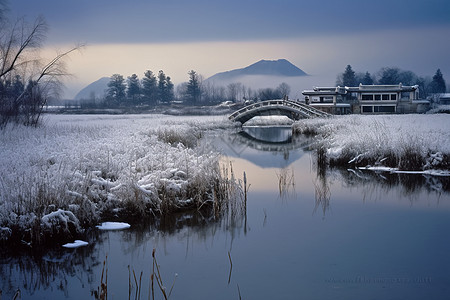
25, 83
19, 42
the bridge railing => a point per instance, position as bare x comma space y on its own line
309, 111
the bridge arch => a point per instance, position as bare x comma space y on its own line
291, 109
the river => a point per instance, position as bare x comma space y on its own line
339, 234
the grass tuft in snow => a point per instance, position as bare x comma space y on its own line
78, 171
404, 142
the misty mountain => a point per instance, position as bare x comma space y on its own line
96, 89
280, 67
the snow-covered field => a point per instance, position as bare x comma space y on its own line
75, 170
400, 142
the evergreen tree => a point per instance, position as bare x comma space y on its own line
115, 94
438, 83
348, 77
149, 88
367, 79
133, 89
165, 88
169, 95
193, 88
161, 86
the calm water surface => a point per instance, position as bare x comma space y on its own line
341, 235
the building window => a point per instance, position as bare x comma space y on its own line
385, 97
366, 97
367, 109
385, 109
377, 97
393, 96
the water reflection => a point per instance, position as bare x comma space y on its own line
268, 134
38, 272
286, 183
378, 187
407, 184
74, 273
322, 193
266, 147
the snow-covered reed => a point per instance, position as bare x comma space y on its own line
68, 175
404, 142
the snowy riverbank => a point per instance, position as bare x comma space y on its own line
76, 170
390, 142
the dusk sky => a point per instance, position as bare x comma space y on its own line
321, 37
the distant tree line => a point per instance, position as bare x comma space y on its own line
393, 75
154, 90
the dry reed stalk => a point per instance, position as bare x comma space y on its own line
102, 291
157, 275
231, 267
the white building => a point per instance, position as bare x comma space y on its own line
444, 99
367, 99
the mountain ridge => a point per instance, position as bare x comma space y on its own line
280, 67
96, 89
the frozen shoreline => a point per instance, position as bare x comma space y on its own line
394, 143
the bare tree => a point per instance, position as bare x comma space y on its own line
19, 58
234, 91
284, 89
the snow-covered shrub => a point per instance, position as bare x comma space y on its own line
440, 109
91, 167
5, 233
171, 136
407, 142
60, 224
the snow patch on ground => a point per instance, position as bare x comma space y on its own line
113, 226
76, 244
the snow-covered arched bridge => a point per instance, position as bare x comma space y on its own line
291, 109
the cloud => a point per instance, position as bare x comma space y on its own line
114, 21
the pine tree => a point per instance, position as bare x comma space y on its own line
161, 86
165, 88
133, 89
438, 83
367, 80
169, 95
115, 94
348, 77
149, 88
193, 88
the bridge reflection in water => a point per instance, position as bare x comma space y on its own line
265, 146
